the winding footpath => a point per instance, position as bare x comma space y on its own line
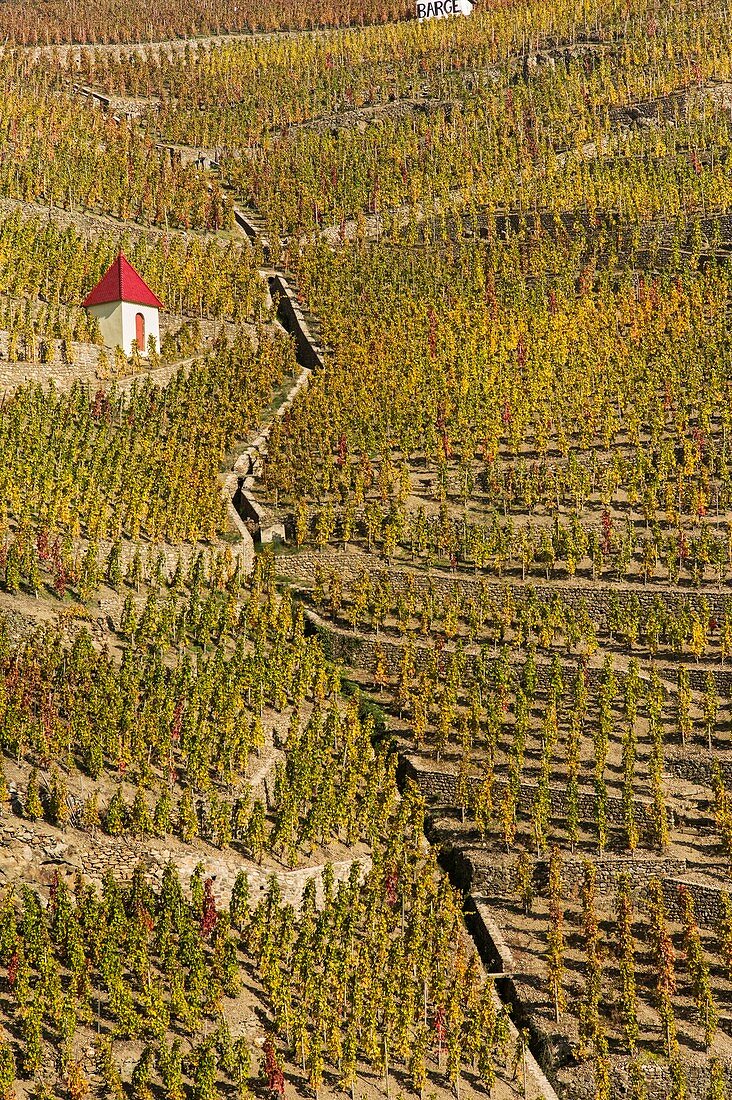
36, 851
240, 483
69, 53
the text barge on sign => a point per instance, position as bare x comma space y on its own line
438, 9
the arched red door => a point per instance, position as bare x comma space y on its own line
140, 331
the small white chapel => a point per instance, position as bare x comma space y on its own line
126, 308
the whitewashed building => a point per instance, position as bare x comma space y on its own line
125, 307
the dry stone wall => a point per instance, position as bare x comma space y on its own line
85, 364
551, 1050
443, 787
301, 569
707, 900
35, 852
597, 596
697, 765
361, 651
292, 317
89, 223
485, 877
240, 485
497, 877
488, 937
83, 368
19, 626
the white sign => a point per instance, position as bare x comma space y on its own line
438, 9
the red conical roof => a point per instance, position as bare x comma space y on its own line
122, 284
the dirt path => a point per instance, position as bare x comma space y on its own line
34, 852
83, 220
68, 53
248, 465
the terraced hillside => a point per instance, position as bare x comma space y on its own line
364, 687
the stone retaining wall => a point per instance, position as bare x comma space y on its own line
553, 1049
489, 877
19, 626
85, 365
88, 223
598, 596
492, 879
246, 540
639, 870
442, 788
291, 316
360, 650
249, 225
697, 765
83, 368
249, 466
480, 876
32, 853
240, 484
707, 900
489, 940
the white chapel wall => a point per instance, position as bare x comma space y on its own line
109, 315
129, 328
